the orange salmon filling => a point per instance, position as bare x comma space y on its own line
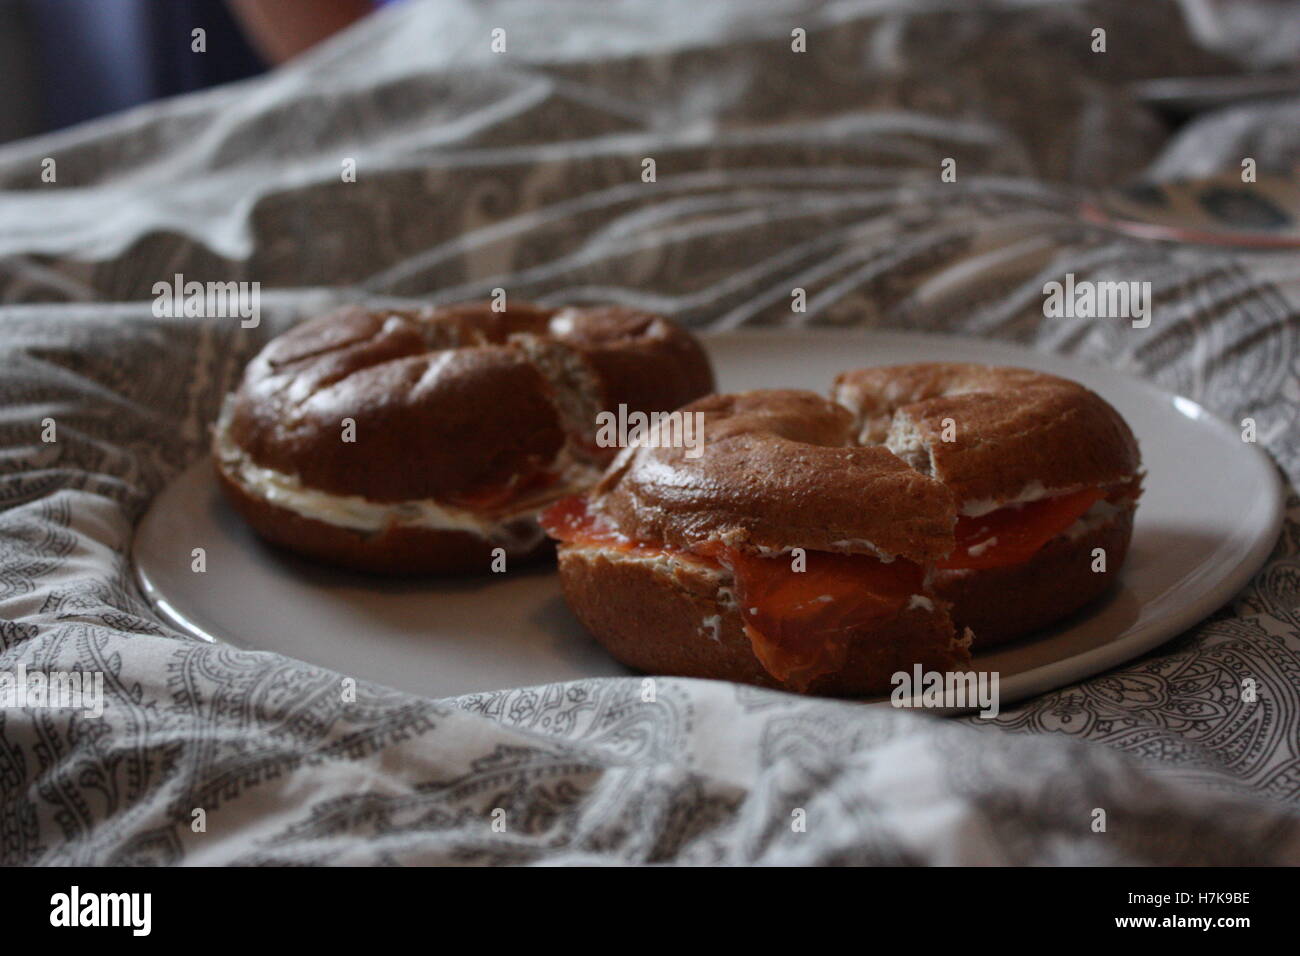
1014, 534
800, 622
571, 521
496, 497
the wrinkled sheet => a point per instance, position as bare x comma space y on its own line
522, 170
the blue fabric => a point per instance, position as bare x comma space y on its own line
100, 56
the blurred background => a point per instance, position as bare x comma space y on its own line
1153, 132
66, 61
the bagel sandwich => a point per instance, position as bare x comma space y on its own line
756, 562
825, 545
427, 440
1045, 478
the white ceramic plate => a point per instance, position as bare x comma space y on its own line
1209, 517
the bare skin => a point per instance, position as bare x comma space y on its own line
281, 29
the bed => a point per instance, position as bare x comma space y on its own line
774, 169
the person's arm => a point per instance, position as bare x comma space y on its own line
281, 29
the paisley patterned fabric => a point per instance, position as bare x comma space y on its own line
774, 169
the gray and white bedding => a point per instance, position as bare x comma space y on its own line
775, 169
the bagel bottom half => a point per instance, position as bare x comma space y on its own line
1002, 604
664, 616
396, 550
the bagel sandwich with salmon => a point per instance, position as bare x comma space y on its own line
416, 441
824, 546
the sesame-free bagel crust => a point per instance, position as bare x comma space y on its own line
779, 469
447, 401
1011, 428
